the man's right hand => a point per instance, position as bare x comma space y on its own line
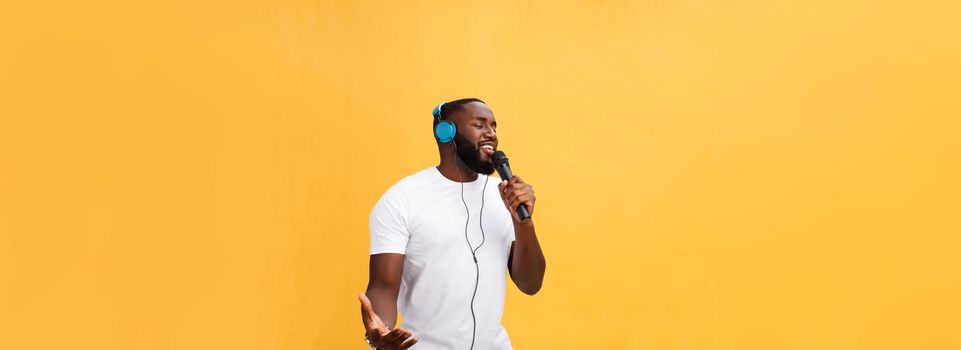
377, 332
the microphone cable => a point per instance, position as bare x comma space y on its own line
473, 251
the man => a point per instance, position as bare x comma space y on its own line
441, 252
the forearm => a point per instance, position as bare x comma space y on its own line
383, 300
527, 261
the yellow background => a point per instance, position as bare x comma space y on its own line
710, 174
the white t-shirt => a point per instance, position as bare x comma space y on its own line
422, 216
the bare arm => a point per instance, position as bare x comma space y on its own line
378, 305
383, 285
526, 262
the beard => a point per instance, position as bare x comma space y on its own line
470, 155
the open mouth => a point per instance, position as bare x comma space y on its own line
488, 149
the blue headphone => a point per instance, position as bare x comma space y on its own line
444, 130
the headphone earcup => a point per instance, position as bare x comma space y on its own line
444, 131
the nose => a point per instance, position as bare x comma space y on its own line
489, 132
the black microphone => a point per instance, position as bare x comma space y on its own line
504, 170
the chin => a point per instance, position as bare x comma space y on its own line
486, 168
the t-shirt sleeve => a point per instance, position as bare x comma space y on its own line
388, 223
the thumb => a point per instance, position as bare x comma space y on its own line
370, 317
368, 310
363, 300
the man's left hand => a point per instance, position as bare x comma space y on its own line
515, 192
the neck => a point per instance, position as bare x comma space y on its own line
453, 168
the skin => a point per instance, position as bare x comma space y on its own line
525, 263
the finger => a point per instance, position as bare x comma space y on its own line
381, 336
365, 309
528, 195
365, 303
526, 198
513, 202
520, 192
401, 340
523, 189
518, 200
401, 336
375, 336
370, 317
407, 344
508, 206
506, 191
389, 338
529, 203
511, 199
520, 185
516, 179
520, 188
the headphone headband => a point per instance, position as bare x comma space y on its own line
436, 113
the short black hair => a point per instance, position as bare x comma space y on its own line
454, 106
